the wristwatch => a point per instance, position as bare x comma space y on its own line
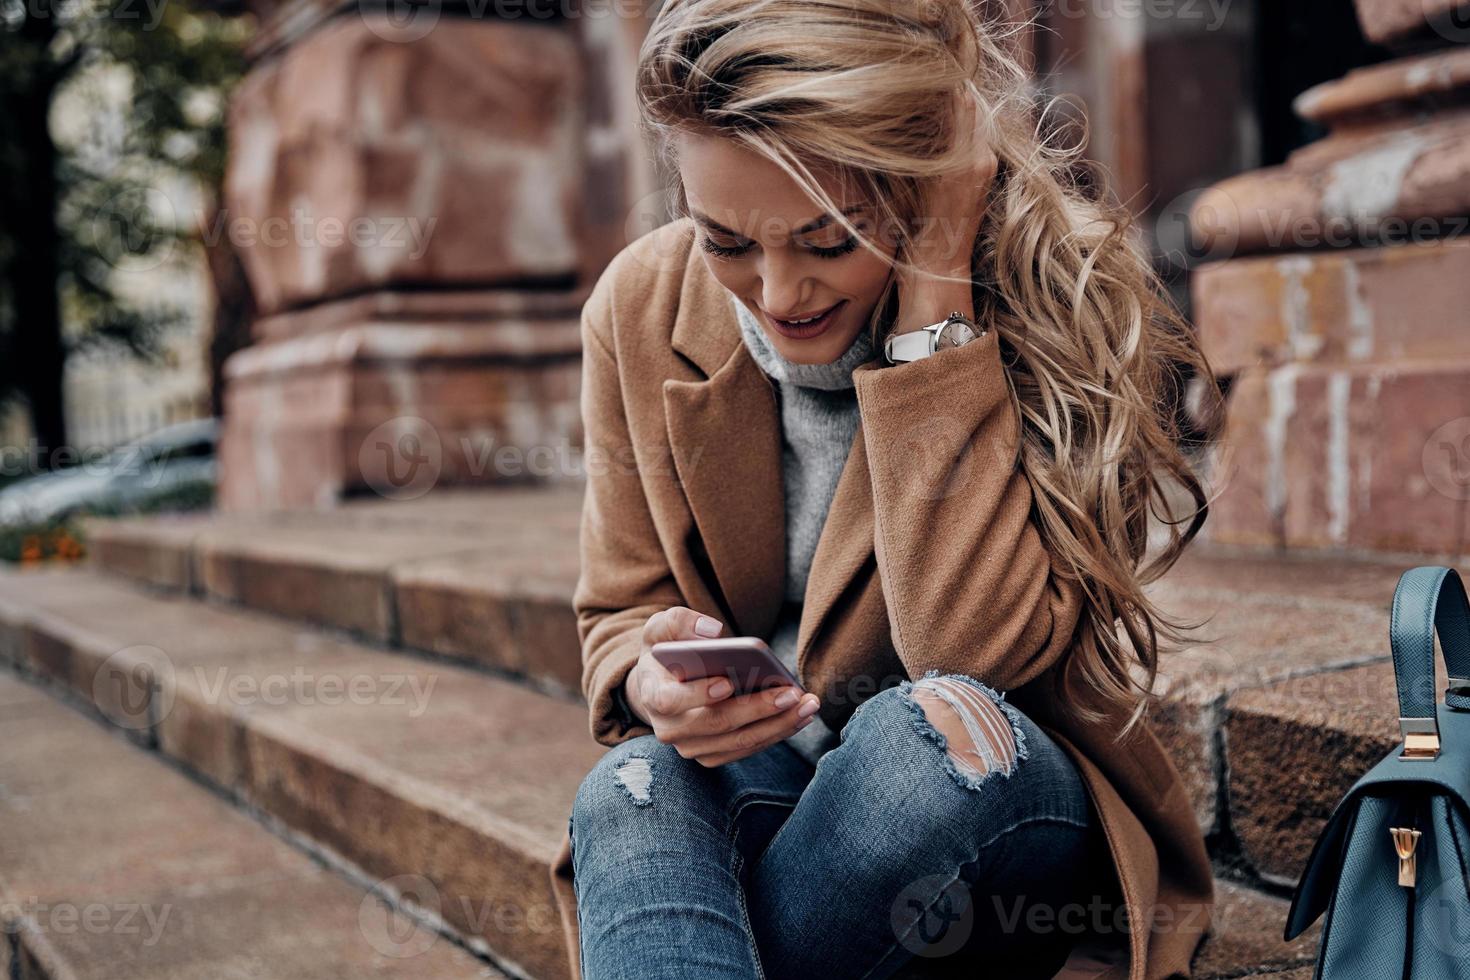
953, 331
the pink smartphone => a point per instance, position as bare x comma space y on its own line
746, 660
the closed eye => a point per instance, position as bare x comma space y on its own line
731, 251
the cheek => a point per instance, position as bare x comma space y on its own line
734, 276
863, 275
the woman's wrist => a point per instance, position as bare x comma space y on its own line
623, 696
931, 300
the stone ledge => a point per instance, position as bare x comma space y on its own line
307, 574
1360, 456
439, 306
1378, 91
306, 436
206, 891
1296, 748
397, 766
469, 794
1334, 307
483, 576
410, 346
1371, 186
487, 578
1268, 618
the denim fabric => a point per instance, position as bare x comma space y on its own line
881, 856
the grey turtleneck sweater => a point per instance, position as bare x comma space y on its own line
819, 419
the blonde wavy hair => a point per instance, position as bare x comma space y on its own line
1096, 355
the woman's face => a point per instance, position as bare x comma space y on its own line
777, 252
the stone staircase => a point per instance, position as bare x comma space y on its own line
346, 743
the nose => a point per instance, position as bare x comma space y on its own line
784, 288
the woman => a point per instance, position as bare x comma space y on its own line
942, 547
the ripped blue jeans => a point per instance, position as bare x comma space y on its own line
901, 851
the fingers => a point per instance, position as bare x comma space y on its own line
716, 750
666, 696
680, 623
660, 692
702, 716
733, 714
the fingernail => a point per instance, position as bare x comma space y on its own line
707, 626
720, 688
808, 709
786, 699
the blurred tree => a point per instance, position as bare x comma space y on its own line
74, 211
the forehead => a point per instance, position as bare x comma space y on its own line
744, 191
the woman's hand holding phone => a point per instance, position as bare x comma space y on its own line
704, 719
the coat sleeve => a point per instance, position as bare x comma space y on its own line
624, 576
969, 585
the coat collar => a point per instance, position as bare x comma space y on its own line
725, 433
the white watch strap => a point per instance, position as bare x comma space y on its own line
910, 346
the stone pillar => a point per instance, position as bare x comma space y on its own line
1339, 305
420, 204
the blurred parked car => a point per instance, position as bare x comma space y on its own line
175, 465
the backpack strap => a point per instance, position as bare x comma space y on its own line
1429, 599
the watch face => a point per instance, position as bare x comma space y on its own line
955, 333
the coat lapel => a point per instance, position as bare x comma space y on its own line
725, 434
844, 546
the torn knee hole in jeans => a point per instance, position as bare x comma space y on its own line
635, 776
977, 729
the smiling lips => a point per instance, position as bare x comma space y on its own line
807, 325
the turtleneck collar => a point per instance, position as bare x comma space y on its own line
832, 376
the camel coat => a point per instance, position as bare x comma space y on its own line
928, 558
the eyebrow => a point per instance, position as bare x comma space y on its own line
816, 224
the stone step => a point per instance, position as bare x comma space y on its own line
483, 576
115, 866
486, 577
1296, 748
1267, 619
412, 771
433, 779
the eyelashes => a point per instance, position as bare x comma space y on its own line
845, 247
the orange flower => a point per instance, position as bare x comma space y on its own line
68, 548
